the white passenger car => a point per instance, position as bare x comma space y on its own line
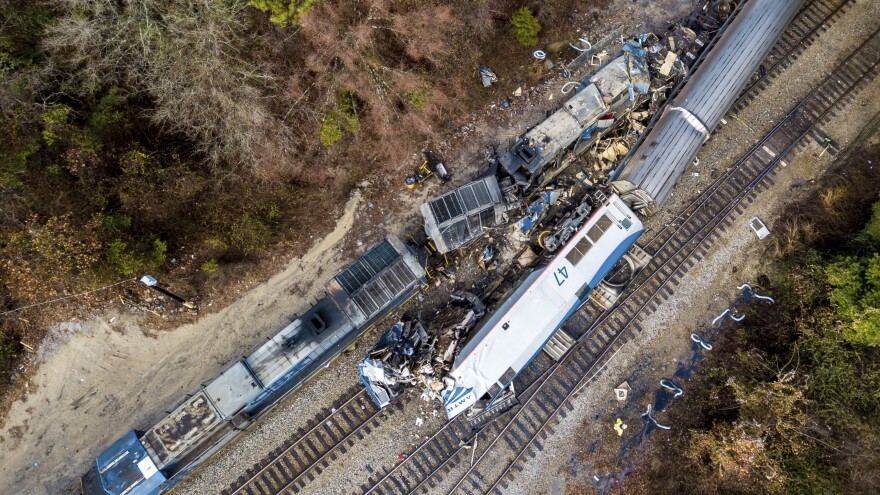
518, 329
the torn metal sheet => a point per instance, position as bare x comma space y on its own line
487, 76
388, 368
637, 68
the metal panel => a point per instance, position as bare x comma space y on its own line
186, 426
382, 289
233, 390
367, 266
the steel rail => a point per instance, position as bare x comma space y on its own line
707, 230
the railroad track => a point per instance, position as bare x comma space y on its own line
810, 22
676, 248
335, 429
304, 456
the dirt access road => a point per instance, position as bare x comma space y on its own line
93, 380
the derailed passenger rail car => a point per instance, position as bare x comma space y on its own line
671, 146
519, 328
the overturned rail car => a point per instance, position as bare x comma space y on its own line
518, 329
671, 146
152, 461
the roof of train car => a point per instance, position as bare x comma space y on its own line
454, 218
177, 434
542, 142
539, 305
674, 142
374, 280
124, 468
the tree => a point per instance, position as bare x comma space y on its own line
192, 57
525, 27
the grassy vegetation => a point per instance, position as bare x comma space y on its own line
791, 404
284, 13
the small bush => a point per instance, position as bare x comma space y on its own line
249, 234
150, 254
525, 27
342, 118
115, 223
419, 98
121, 258
330, 131
873, 227
284, 13
210, 266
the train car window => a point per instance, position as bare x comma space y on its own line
579, 250
595, 233
604, 222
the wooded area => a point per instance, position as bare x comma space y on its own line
789, 399
198, 137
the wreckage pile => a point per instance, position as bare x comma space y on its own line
655, 64
409, 355
538, 212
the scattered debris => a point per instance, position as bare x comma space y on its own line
647, 416
622, 391
696, 338
487, 76
728, 313
389, 366
758, 226
672, 387
619, 426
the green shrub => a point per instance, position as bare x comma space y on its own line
54, 120
284, 13
210, 266
525, 27
107, 114
342, 118
114, 223
149, 254
419, 98
855, 297
249, 234
121, 259
873, 227
330, 131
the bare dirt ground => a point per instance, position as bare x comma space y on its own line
96, 379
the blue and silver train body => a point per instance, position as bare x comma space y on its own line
153, 461
519, 328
